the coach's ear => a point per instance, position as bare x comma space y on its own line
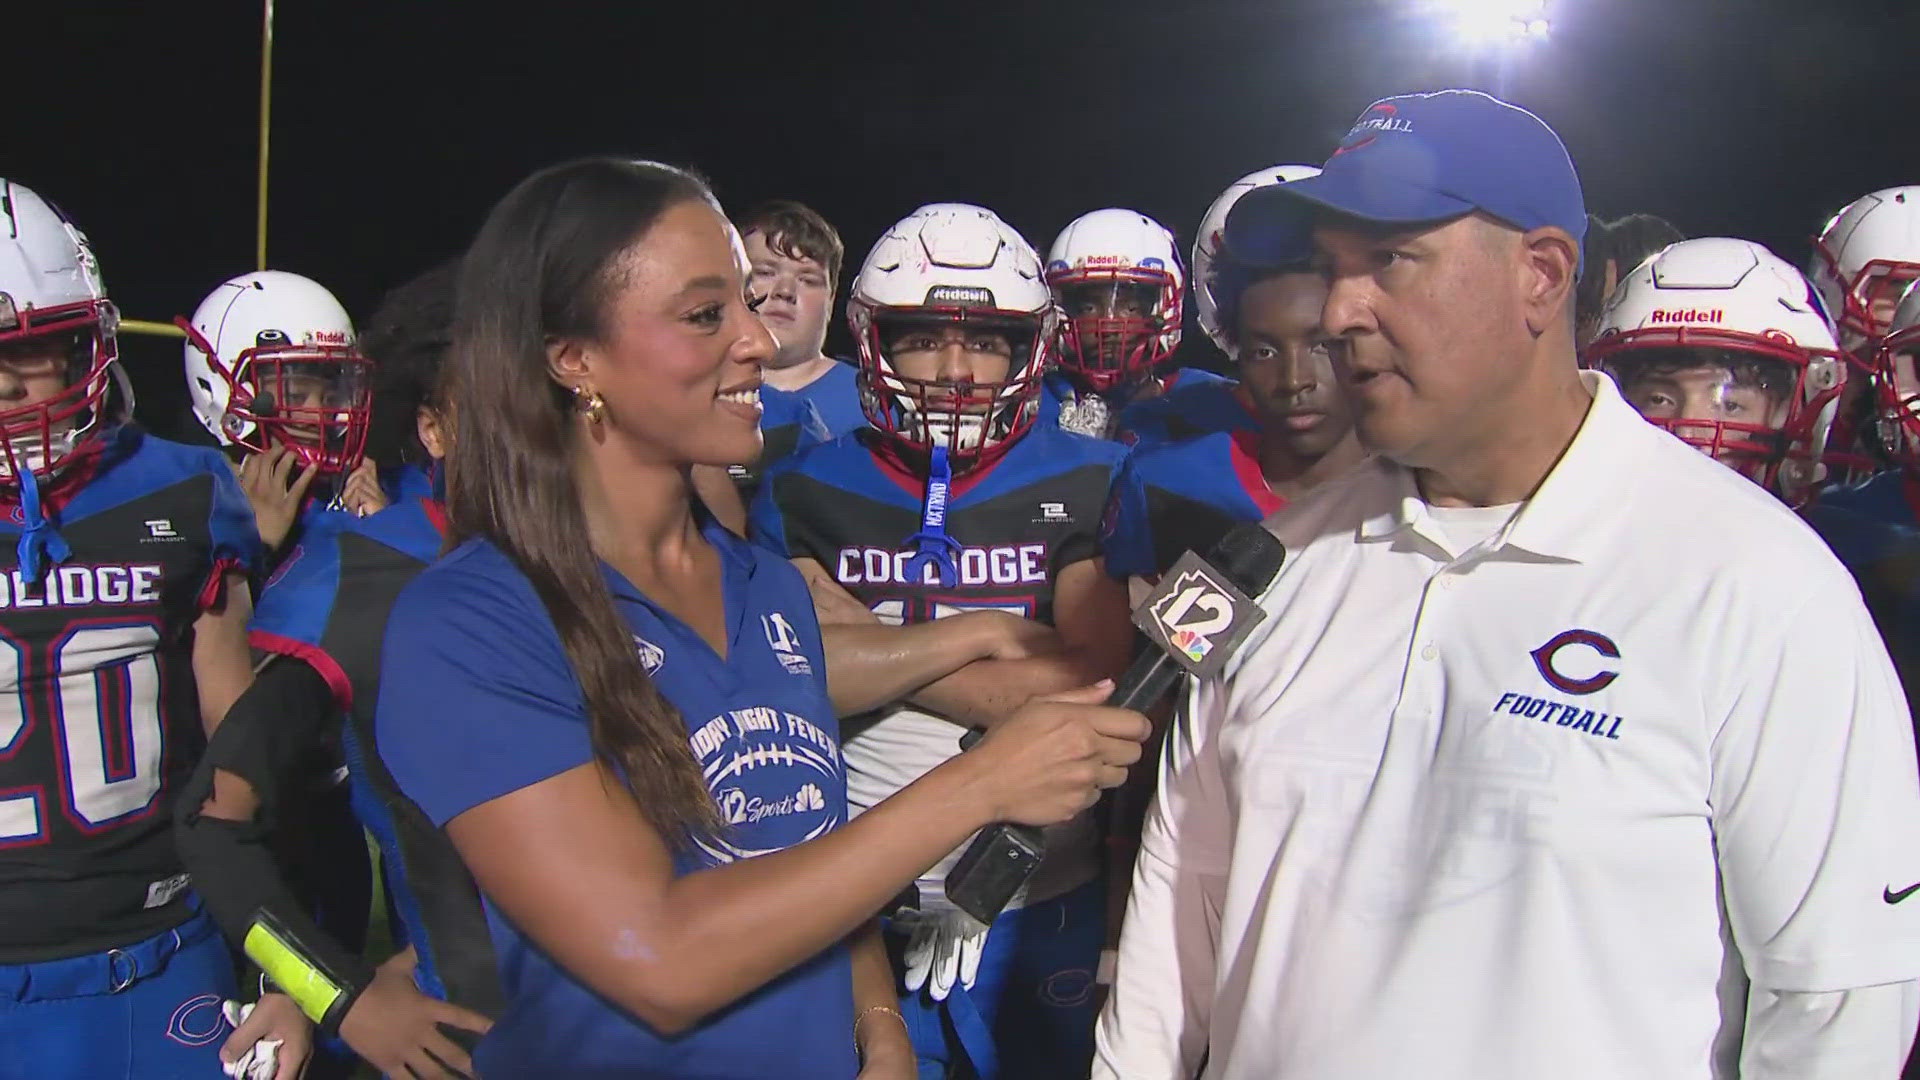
1550, 265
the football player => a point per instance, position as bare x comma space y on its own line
1726, 346
1201, 402
1183, 496
1117, 278
274, 376
320, 620
795, 257
1864, 256
124, 601
955, 500
1893, 406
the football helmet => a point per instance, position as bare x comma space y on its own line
952, 263
1896, 382
51, 294
271, 360
1863, 258
1730, 322
1117, 278
1210, 292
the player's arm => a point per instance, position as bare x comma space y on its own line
222, 663
833, 605
223, 828
877, 1026
870, 664
1815, 800
1156, 1018
1096, 631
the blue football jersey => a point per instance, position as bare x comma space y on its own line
99, 721
1018, 521
1890, 497
1192, 403
1179, 497
327, 606
1885, 562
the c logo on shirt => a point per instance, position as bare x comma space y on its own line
1543, 658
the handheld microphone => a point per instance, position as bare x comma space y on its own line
1194, 618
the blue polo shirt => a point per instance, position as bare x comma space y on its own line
483, 702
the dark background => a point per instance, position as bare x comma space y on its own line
396, 123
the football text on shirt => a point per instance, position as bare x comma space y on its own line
1000, 564
83, 586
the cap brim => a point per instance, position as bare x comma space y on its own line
1273, 225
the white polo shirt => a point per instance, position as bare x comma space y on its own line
1533, 809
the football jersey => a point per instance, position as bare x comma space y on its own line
789, 423
99, 716
1892, 497
1194, 402
1019, 521
327, 607
1147, 417
1884, 560
1183, 497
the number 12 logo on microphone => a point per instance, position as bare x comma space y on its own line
1197, 616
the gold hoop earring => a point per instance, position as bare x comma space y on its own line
590, 404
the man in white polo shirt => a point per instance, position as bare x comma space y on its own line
1563, 753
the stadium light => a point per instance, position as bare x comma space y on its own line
1488, 24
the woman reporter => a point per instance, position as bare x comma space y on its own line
619, 710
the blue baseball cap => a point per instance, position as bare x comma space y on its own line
1420, 159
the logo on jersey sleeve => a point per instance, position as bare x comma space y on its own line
1053, 513
785, 642
776, 777
652, 656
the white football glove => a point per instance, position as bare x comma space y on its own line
943, 948
262, 1059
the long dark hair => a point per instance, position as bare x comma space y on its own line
544, 268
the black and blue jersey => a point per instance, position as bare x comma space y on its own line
99, 714
1179, 497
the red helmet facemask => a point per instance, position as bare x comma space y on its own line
1101, 348
47, 434
975, 421
1780, 448
314, 400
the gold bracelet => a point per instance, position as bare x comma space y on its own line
869, 1011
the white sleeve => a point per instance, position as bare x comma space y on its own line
1155, 1023
1815, 800
1846, 1035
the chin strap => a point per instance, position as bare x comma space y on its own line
40, 544
933, 547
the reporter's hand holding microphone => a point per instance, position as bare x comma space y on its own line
1053, 757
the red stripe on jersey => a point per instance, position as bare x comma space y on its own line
313, 656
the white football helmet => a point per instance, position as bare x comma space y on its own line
51, 295
271, 360
1117, 277
1865, 256
1896, 382
958, 264
1726, 346
1209, 246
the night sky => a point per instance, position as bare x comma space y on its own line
396, 123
